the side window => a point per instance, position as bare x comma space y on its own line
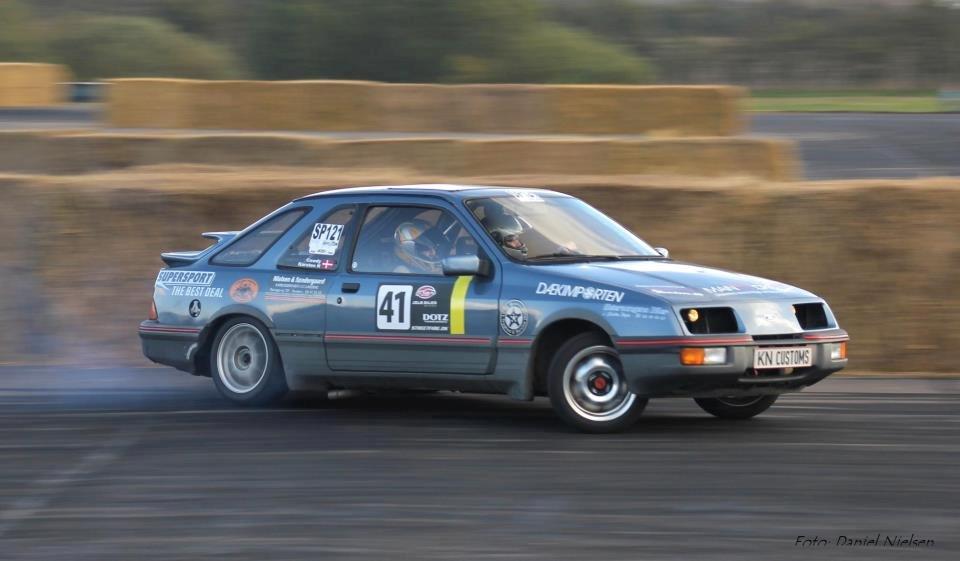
409, 240
321, 244
253, 244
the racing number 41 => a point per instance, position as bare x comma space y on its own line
393, 306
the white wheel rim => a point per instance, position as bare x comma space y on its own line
242, 358
594, 385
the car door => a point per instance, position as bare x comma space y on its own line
296, 294
392, 309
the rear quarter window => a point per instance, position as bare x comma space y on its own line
251, 246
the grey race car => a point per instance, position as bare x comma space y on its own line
521, 292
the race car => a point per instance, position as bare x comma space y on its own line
523, 292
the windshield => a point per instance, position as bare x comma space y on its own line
541, 228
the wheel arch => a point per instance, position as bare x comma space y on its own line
201, 356
552, 336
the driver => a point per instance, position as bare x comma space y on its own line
505, 229
418, 253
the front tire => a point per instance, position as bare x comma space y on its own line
737, 408
587, 386
245, 363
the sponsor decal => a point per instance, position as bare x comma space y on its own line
426, 292
293, 288
244, 290
676, 292
194, 308
325, 239
432, 308
526, 196
576, 291
655, 313
168, 278
513, 318
435, 318
195, 284
762, 287
317, 263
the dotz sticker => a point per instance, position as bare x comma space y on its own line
244, 290
513, 318
194, 308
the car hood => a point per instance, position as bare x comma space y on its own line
680, 283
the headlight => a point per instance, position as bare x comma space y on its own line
702, 356
838, 351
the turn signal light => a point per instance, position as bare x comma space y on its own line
153, 311
839, 351
701, 356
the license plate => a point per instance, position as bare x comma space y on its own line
782, 357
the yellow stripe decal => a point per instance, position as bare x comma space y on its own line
458, 304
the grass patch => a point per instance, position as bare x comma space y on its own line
892, 101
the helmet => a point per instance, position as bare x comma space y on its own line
505, 229
415, 248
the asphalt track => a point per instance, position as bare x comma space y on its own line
150, 464
831, 145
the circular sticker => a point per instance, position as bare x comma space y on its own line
513, 318
194, 308
244, 290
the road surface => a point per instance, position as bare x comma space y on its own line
150, 464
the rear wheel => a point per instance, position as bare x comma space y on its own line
587, 386
245, 364
736, 407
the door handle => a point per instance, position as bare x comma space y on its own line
350, 287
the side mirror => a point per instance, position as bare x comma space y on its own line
662, 251
465, 265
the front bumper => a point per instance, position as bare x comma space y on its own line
654, 370
169, 345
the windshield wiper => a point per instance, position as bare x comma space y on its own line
559, 256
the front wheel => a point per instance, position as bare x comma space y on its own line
587, 386
245, 363
736, 407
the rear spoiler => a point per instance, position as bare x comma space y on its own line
184, 258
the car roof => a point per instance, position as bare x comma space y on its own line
434, 189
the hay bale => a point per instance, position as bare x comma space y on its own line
499, 108
423, 155
704, 157
336, 105
413, 107
32, 84
660, 110
536, 156
148, 103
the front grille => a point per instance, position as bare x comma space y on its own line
784, 337
711, 320
811, 316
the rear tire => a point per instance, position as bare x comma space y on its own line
587, 386
737, 408
245, 363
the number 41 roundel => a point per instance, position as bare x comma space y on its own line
393, 306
